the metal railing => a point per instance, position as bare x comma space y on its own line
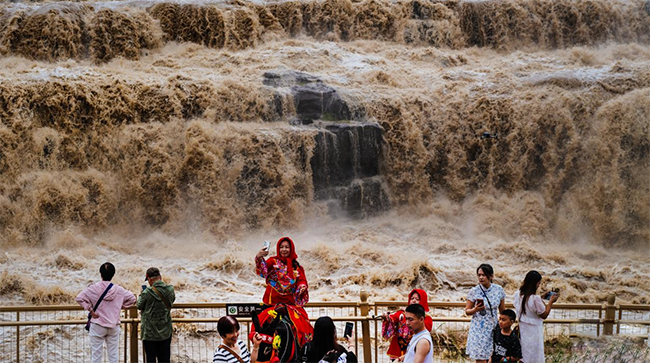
55, 333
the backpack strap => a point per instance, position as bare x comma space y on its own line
488, 300
163, 298
90, 315
232, 352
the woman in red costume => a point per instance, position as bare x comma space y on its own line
286, 284
394, 325
285, 278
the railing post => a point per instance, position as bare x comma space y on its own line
610, 315
133, 339
17, 338
365, 326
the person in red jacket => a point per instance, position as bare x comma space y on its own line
285, 279
394, 325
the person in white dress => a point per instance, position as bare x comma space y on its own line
532, 312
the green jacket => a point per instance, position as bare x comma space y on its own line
156, 319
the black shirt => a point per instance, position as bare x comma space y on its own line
332, 356
505, 345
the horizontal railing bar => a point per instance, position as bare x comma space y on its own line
633, 307
337, 318
325, 304
10, 309
56, 322
248, 320
574, 321
444, 304
206, 305
432, 304
633, 322
42, 322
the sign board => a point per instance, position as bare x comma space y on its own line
243, 310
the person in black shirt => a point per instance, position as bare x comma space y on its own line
324, 346
506, 342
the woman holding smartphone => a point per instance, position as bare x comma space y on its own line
484, 303
286, 287
325, 346
532, 312
285, 279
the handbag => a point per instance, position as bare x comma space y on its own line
87, 327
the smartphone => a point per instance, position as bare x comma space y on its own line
267, 245
348, 329
478, 302
144, 287
548, 295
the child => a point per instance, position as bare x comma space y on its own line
506, 343
394, 325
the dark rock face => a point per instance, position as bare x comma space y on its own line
348, 157
365, 197
316, 101
362, 198
345, 152
287, 78
346, 166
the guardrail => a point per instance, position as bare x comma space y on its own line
47, 333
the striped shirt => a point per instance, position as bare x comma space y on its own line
223, 356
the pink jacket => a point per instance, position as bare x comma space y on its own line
109, 310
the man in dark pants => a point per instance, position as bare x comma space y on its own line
155, 302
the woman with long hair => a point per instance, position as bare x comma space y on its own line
485, 302
532, 312
324, 346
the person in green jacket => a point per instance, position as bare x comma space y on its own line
155, 302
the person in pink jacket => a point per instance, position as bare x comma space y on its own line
105, 322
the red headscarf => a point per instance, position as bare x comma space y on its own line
423, 298
286, 260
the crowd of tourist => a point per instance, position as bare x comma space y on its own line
282, 331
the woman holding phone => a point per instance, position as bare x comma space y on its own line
285, 279
325, 347
532, 312
485, 302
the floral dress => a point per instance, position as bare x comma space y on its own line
479, 340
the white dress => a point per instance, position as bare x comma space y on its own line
531, 328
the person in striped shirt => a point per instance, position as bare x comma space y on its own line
233, 349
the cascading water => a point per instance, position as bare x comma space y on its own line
182, 134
